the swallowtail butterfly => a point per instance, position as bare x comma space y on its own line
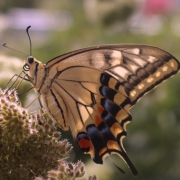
90, 91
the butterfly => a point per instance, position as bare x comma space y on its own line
90, 91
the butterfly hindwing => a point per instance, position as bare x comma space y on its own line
91, 91
100, 111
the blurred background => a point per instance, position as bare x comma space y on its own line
61, 26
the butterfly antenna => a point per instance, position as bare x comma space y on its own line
117, 166
27, 30
14, 49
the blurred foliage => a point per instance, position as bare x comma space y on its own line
152, 141
6, 4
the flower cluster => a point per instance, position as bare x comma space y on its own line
14, 120
67, 171
30, 145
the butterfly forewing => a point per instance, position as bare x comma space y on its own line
91, 91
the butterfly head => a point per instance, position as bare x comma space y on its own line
31, 64
29, 61
34, 67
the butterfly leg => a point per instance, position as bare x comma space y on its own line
18, 76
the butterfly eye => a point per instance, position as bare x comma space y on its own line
30, 59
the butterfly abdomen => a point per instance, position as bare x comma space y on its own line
53, 102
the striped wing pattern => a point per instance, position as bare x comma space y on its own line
91, 91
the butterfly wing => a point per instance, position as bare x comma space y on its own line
100, 84
98, 112
139, 67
